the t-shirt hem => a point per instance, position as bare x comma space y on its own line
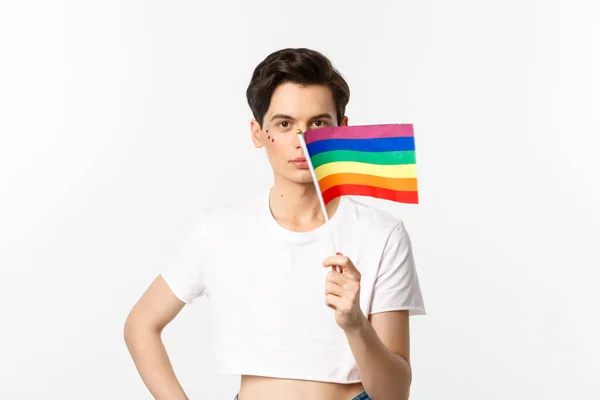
175, 289
284, 376
413, 310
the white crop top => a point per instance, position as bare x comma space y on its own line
266, 285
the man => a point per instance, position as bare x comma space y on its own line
290, 324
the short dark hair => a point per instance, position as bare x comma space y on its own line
297, 65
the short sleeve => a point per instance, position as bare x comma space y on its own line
397, 283
185, 272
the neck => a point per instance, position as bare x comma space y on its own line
296, 205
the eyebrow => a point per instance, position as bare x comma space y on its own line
283, 116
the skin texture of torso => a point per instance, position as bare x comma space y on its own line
265, 388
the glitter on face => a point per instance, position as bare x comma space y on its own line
269, 136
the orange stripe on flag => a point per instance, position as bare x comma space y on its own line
401, 184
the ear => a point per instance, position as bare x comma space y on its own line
344, 122
256, 133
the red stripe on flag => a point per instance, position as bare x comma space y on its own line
411, 197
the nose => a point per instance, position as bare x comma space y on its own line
302, 126
296, 140
299, 128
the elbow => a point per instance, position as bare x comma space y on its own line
129, 331
136, 328
407, 377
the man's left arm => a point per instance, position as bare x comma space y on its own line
380, 346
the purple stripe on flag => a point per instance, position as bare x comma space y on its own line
359, 132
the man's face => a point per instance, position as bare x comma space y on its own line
293, 107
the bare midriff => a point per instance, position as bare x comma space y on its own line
266, 388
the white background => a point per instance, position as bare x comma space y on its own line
121, 120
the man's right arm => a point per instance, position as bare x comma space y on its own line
154, 310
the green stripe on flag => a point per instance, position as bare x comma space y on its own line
379, 158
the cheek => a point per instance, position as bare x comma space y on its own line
276, 141
275, 148
270, 136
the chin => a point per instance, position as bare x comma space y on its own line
299, 176
302, 179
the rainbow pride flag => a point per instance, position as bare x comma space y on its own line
365, 160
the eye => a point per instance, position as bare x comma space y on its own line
320, 123
284, 124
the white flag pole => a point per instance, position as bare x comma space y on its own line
317, 188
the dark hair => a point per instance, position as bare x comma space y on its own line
302, 66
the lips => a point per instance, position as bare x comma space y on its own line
300, 162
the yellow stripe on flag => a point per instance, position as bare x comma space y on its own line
385, 171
